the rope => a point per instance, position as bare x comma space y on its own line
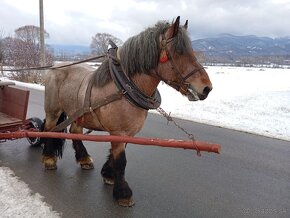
58, 67
31, 68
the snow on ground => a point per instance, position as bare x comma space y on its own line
255, 100
17, 200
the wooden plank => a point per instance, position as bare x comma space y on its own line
5, 119
7, 123
14, 102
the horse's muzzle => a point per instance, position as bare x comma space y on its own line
193, 95
205, 93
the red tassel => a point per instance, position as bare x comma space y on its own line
163, 56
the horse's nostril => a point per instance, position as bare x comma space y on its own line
206, 90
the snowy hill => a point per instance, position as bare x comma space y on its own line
251, 45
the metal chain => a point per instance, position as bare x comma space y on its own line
170, 119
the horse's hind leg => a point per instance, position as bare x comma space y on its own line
81, 154
115, 168
53, 147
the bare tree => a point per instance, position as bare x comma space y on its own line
1, 51
23, 51
29, 33
100, 42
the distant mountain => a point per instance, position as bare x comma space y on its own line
69, 49
227, 44
225, 48
243, 50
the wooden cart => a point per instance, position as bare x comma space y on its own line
13, 110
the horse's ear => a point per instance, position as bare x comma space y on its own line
186, 24
176, 26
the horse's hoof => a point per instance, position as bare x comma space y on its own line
87, 166
123, 194
86, 163
108, 181
50, 167
49, 163
127, 202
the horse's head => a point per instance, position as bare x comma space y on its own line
178, 66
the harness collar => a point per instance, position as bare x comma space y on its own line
127, 86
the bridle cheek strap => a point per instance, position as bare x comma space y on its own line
180, 84
191, 73
180, 87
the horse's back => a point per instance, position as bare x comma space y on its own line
60, 74
64, 87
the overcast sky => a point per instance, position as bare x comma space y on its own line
76, 21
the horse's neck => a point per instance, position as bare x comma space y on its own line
146, 83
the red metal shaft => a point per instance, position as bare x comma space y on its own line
170, 143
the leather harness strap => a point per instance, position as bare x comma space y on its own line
87, 101
82, 111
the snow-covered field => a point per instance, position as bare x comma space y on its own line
255, 100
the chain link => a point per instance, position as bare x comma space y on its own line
169, 118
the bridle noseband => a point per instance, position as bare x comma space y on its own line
180, 84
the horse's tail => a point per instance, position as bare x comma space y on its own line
62, 118
55, 146
60, 142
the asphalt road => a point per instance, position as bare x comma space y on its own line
250, 178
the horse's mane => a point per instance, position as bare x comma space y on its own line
102, 74
140, 53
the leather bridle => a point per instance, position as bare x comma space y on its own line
180, 84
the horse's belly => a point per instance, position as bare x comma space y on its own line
121, 118
89, 121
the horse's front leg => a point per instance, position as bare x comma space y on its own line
107, 170
81, 154
121, 192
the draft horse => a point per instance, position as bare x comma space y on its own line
159, 53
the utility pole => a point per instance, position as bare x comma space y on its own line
41, 37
